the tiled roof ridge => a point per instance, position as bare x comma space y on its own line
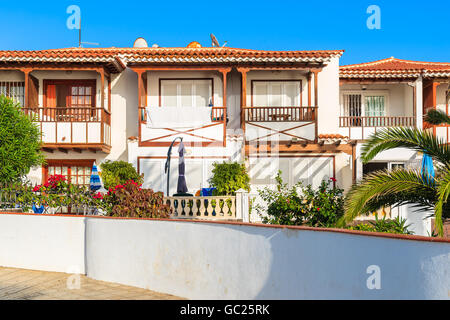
392, 59
179, 50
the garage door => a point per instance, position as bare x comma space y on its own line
309, 170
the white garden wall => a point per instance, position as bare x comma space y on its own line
42, 242
203, 260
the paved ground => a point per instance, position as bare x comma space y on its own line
19, 284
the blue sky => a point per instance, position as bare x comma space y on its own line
416, 30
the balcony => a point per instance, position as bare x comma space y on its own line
279, 123
73, 128
357, 127
210, 134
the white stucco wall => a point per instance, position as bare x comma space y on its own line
328, 121
48, 243
226, 261
218, 261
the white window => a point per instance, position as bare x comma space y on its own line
186, 93
276, 93
396, 165
364, 108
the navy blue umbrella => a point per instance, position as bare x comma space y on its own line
181, 186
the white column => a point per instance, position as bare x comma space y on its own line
419, 102
359, 164
242, 205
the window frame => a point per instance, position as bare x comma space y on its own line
364, 94
72, 83
161, 91
65, 163
16, 84
390, 164
300, 90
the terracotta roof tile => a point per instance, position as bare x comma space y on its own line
164, 55
395, 68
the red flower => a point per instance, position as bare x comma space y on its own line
98, 196
54, 180
318, 209
333, 179
37, 188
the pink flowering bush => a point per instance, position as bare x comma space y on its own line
302, 205
57, 192
131, 200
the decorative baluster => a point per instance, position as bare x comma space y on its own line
233, 207
178, 208
209, 209
226, 208
202, 209
217, 208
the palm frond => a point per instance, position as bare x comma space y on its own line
409, 138
437, 117
388, 188
442, 206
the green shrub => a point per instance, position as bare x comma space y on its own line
130, 200
228, 177
55, 193
118, 172
300, 205
397, 225
20, 142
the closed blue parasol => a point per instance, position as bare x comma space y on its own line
95, 182
427, 169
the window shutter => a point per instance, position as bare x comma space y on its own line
202, 93
291, 94
260, 94
169, 94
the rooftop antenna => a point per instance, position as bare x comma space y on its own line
214, 42
80, 43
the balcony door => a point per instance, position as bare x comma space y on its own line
186, 93
364, 109
276, 93
70, 100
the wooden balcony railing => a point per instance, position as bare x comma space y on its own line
350, 121
73, 125
279, 114
85, 114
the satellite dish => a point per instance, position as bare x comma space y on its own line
140, 43
214, 42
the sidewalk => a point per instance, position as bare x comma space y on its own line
20, 284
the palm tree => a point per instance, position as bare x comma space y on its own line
403, 186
